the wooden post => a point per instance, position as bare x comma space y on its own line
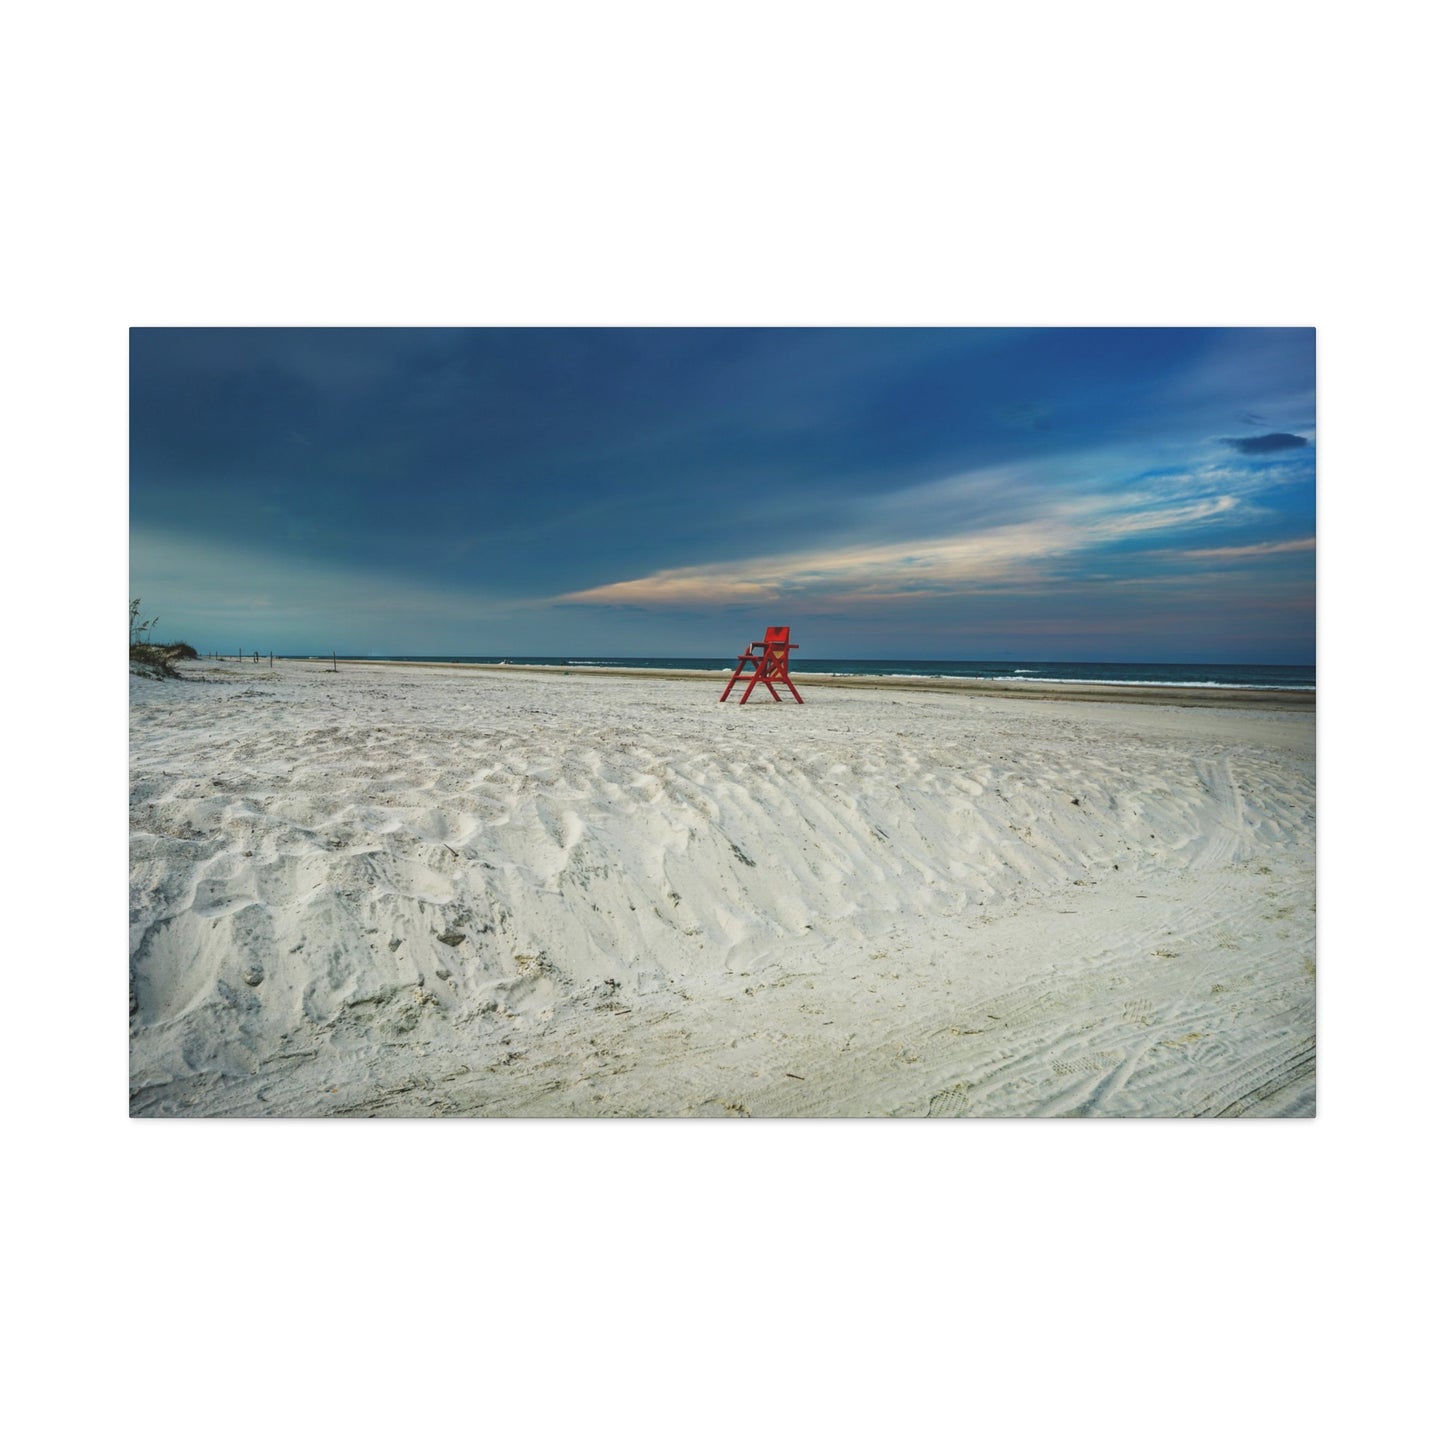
333, 662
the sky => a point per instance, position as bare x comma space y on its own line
1053, 494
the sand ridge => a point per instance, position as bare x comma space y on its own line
419, 891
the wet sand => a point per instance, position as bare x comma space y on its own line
1232, 697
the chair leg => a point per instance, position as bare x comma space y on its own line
758, 677
737, 673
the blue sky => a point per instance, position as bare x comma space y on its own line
1069, 494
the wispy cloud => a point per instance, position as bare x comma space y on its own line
1015, 555
1254, 549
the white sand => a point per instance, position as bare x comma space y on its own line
422, 891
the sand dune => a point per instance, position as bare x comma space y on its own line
392, 890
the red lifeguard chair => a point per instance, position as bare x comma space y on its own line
768, 661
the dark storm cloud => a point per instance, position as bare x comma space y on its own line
1275, 441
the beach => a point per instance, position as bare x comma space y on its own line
445, 890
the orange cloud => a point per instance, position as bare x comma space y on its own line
1009, 554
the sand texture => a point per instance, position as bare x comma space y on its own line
417, 891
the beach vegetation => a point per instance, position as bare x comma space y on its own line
148, 659
158, 659
140, 625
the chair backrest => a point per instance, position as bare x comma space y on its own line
776, 635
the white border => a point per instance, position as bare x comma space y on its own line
632, 164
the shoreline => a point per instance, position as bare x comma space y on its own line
1149, 693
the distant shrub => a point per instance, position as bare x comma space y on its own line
148, 661
158, 660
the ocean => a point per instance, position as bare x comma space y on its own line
1155, 674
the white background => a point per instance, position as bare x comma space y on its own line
312, 164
